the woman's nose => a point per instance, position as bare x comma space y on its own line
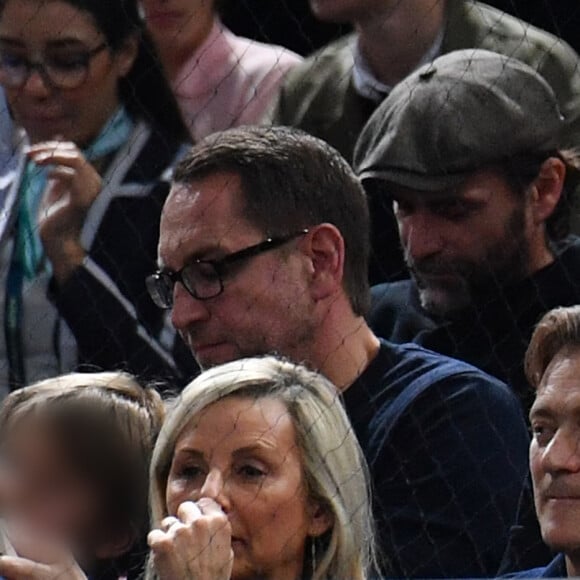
36, 84
214, 487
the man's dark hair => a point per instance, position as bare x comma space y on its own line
521, 171
290, 181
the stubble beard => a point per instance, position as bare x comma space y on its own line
504, 263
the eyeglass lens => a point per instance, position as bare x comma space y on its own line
65, 70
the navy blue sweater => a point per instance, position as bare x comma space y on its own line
447, 447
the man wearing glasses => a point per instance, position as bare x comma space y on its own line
264, 249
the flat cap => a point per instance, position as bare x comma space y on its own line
464, 111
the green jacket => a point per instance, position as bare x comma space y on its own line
319, 97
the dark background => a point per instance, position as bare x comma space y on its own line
290, 23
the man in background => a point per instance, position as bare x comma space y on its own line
335, 91
469, 151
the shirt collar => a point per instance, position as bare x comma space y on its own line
368, 86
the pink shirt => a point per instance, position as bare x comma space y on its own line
230, 81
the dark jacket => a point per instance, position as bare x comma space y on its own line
104, 303
447, 449
319, 97
493, 334
555, 569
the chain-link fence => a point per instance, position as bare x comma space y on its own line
262, 248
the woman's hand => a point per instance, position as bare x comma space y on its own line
39, 560
196, 545
73, 186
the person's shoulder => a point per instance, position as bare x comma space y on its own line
333, 62
252, 54
568, 249
392, 294
564, 272
409, 381
555, 569
512, 36
395, 312
150, 155
410, 362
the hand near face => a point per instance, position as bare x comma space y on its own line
39, 560
74, 184
197, 544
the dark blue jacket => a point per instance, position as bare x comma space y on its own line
447, 447
555, 569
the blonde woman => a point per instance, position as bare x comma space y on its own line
76, 453
257, 474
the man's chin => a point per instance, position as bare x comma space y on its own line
442, 302
215, 355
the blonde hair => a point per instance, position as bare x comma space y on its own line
334, 467
106, 424
558, 329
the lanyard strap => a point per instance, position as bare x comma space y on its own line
13, 317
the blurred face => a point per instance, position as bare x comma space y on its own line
169, 21
266, 305
243, 454
463, 243
42, 492
555, 452
55, 31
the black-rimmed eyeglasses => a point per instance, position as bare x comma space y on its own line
204, 279
60, 70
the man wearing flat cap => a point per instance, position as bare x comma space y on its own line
466, 151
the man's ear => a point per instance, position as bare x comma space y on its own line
116, 544
546, 190
324, 245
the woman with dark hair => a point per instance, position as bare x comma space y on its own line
79, 216
220, 80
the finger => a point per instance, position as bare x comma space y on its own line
50, 146
208, 506
166, 523
62, 173
157, 540
37, 547
56, 192
167, 558
74, 159
188, 512
22, 569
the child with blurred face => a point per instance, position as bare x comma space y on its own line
75, 453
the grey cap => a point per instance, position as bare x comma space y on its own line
465, 110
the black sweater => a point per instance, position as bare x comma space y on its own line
494, 333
